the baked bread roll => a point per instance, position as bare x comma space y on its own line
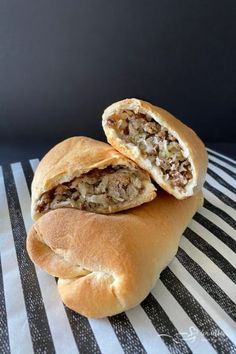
107, 264
171, 152
87, 174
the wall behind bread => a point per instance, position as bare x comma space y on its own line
63, 62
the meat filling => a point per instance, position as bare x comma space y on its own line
155, 143
97, 189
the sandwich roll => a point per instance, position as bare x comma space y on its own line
90, 175
171, 152
107, 264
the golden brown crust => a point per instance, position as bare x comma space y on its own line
76, 156
188, 139
108, 264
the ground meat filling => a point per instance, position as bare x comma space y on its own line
96, 189
156, 144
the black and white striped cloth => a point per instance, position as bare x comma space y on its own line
192, 309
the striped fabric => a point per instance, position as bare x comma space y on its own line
192, 309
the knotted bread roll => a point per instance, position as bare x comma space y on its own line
107, 264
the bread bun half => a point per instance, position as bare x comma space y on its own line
87, 174
158, 142
109, 264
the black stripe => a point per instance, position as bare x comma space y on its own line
224, 198
223, 168
164, 327
83, 333
216, 231
4, 335
37, 318
211, 253
231, 163
216, 337
28, 172
221, 213
80, 326
220, 180
126, 334
207, 283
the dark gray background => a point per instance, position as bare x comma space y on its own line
63, 62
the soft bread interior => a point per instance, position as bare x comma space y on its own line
156, 146
100, 190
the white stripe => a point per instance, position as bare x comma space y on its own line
224, 175
105, 336
180, 319
227, 325
18, 326
213, 199
217, 244
217, 220
222, 163
146, 332
34, 163
218, 154
214, 183
216, 274
62, 335
103, 331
